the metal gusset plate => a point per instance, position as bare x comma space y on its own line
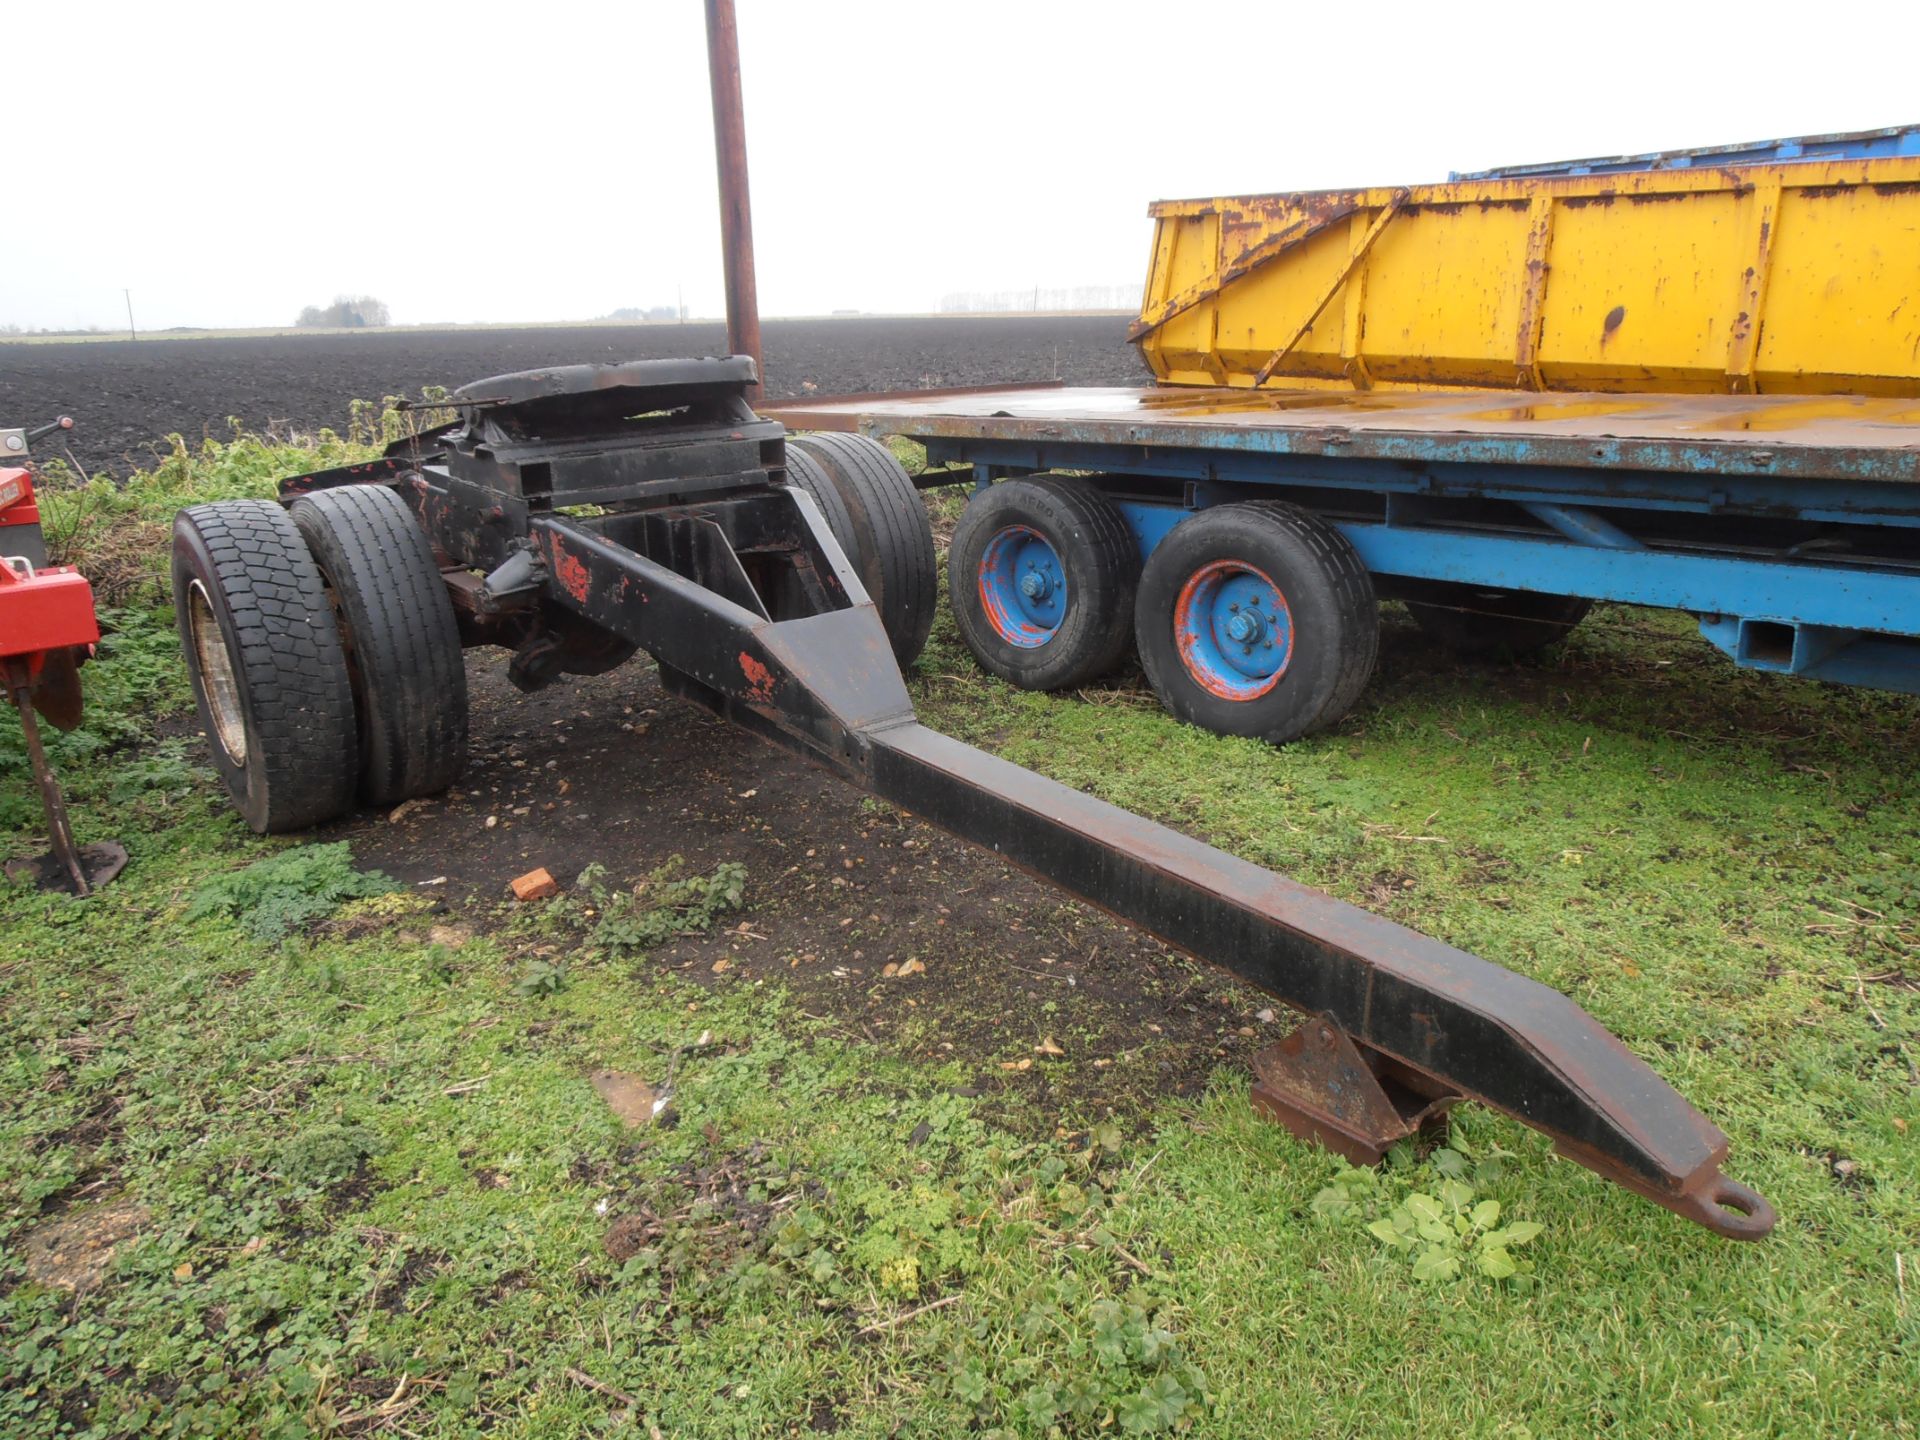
1323, 1087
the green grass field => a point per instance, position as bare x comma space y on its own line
365, 1182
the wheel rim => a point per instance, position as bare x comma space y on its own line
1233, 630
1023, 587
217, 681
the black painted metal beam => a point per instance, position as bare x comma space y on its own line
825, 686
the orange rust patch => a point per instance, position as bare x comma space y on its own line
573, 575
759, 679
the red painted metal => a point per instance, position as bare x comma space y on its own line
47, 627
42, 610
17, 503
1187, 626
44, 616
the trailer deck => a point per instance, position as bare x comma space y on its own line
1804, 437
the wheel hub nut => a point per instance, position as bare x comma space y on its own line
1244, 628
1036, 585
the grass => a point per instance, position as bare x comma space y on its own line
377, 1185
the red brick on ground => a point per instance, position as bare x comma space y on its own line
535, 885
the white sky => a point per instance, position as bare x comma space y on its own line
233, 162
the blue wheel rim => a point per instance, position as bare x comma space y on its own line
1233, 630
1023, 587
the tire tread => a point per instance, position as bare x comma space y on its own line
1353, 594
406, 641
1347, 623
894, 552
1089, 519
290, 664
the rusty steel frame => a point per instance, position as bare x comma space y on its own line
702, 556
825, 686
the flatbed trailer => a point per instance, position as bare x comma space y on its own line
1789, 525
1500, 399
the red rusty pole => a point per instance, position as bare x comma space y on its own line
736, 213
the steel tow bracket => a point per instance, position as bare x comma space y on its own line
1420, 1017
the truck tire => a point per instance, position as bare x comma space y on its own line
401, 638
1257, 619
269, 674
1474, 620
1042, 574
882, 525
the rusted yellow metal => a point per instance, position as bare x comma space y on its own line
1355, 259
1800, 278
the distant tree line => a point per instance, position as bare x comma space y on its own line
648, 312
13, 329
1076, 297
347, 312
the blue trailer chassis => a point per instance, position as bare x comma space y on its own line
1788, 526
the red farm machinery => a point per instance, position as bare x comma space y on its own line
47, 630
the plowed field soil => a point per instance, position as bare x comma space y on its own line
125, 394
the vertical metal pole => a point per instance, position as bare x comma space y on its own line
129, 295
736, 214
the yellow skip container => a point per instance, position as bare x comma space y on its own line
1793, 278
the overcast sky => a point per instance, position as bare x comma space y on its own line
233, 163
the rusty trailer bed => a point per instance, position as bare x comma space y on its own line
1809, 437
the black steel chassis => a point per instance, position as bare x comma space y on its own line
583, 513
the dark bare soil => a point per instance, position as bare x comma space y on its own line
126, 394
614, 770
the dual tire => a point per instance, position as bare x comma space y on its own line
323, 651
870, 505
1042, 575
1253, 619
1257, 619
